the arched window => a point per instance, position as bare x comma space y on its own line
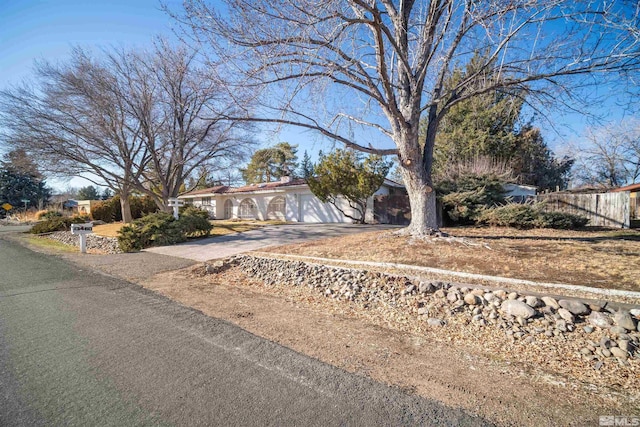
276, 208
228, 209
247, 209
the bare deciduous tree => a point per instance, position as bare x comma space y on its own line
169, 96
72, 123
382, 64
611, 155
134, 120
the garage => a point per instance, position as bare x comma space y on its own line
313, 210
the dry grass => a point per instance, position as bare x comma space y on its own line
49, 244
220, 227
597, 258
108, 230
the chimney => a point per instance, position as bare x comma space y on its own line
285, 179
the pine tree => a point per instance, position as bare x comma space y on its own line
270, 164
306, 166
89, 193
491, 126
20, 180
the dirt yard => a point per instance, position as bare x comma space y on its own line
596, 258
506, 389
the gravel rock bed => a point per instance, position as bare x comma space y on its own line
102, 244
583, 340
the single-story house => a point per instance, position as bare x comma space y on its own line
287, 200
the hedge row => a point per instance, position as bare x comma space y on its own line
525, 216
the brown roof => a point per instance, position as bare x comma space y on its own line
210, 190
222, 189
266, 186
632, 187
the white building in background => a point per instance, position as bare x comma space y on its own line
286, 200
519, 192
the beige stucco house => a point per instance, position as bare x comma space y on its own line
287, 200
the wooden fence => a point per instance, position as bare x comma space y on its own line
602, 209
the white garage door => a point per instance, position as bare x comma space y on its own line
313, 210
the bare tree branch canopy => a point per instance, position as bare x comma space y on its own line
337, 65
134, 120
611, 156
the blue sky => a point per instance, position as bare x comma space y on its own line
47, 29
32, 30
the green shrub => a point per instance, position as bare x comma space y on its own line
51, 225
161, 228
110, 210
562, 221
194, 226
140, 206
514, 215
107, 210
466, 197
58, 223
49, 215
525, 216
193, 211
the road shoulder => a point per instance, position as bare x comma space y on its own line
331, 331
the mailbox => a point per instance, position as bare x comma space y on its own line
175, 202
82, 228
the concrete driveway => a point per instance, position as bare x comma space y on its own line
232, 244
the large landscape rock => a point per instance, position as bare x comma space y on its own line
550, 302
575, 307
533, 301
624, 319
599, 319
517, 308
566, 315
472, 299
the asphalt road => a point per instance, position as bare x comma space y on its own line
78, 348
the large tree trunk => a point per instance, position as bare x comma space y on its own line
422, 199
416, 165
125, 206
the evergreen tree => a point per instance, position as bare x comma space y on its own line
271, 163
490, 125
89, 193
306, 166
20, 180
344, 173
106, 194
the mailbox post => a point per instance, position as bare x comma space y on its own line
82, 230
175, 203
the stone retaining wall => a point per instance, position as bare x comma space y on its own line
520, 316
105, 244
